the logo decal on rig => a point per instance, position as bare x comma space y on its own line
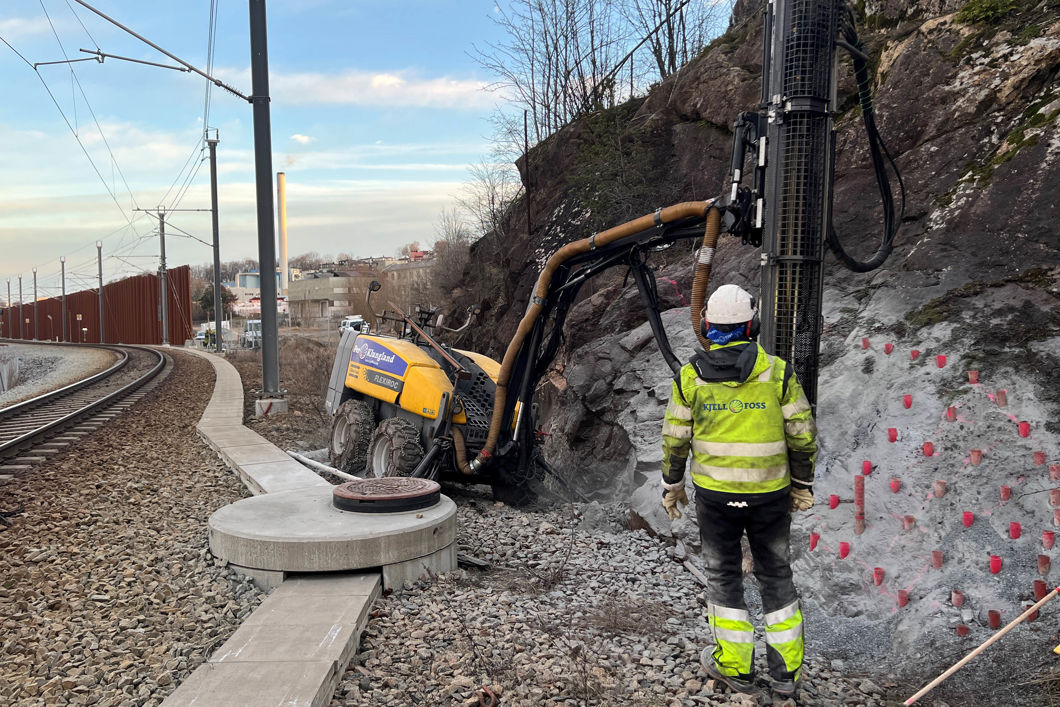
374, 354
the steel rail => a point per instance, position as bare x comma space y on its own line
53, 395
28, 439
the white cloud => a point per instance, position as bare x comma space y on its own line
302, 139
16, 27
404, 88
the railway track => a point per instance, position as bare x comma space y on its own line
36, 428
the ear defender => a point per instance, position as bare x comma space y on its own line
703, 326
754, 327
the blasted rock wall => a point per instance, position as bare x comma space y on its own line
970, 113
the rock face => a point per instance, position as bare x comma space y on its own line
969, 111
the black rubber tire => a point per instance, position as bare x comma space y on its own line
351, 432
395, 449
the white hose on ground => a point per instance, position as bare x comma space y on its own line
323, 467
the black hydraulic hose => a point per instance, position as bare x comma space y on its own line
892, 221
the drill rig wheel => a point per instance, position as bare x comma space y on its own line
395, 448
351, 431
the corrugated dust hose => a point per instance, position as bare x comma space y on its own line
690, 209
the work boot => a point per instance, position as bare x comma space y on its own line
743, 684
785, 688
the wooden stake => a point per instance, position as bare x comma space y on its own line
695, 573
963, 661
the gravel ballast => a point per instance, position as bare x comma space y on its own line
108, 592
574, 610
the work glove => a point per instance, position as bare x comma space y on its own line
801, 499
672, 495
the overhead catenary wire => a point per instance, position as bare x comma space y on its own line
77, 137
181, 231
88, 104
211, 39
78, 18
187, 174
187, 182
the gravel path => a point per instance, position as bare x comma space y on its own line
108, 593
575, 610
45, 368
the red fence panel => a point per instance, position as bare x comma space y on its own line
131, 311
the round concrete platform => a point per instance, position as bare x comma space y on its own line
301, 531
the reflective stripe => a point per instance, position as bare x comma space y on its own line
782, 614
678, 411
794, 428
792, 409
726, 612
786, 636
678, 431
723, 473
733, 636
765, 375
739, 449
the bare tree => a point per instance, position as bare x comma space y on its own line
676, 30
451, 249
561, 59
488, 195
306, 261
554, 56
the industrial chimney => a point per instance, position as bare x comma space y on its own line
281, 194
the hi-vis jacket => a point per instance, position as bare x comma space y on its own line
747, 437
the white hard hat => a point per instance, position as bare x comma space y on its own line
730, 304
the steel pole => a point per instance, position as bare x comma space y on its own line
218, 302
99, 265
36, 330
259, 69
10, 309
20, 333
62, 262
162, 276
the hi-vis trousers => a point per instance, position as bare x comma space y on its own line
722, 524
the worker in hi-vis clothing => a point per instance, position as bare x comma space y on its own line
753, 439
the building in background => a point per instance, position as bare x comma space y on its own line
405, 282
321, 298
247, 285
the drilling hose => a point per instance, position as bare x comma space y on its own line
460, 448
702, 276
688, 209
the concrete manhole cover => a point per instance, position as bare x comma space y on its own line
389, 494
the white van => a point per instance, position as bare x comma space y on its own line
355, 322
251, 338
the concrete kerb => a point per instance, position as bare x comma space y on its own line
294, 648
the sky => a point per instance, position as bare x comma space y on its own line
377, 110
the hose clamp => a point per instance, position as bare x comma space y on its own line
657, 216
592, 242
540, 302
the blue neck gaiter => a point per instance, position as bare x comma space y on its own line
726, 337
